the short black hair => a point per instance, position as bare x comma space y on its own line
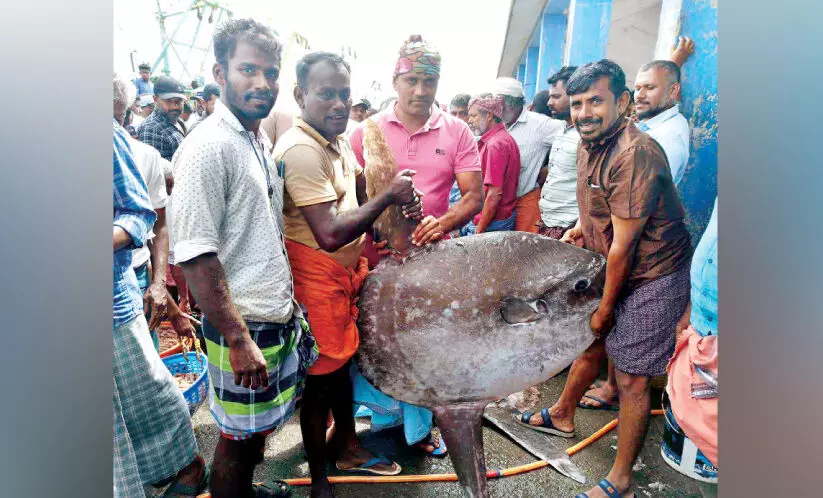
305, 64
209, 90
540, 104
461, 100
248, 30
563, 75
672, 70
586, 75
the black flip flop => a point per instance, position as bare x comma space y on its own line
177, 488
272, 489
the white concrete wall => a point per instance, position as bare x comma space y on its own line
633, 34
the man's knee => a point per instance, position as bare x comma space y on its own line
594, 353
632, 384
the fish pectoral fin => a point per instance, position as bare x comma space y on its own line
516, 310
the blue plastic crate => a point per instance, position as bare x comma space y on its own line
197, 393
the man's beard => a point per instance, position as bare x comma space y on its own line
563, 116
252, 114
654, 111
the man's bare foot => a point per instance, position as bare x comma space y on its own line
560, 421
604, 391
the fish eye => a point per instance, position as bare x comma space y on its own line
581, 285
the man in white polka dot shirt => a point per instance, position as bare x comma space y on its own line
227, 228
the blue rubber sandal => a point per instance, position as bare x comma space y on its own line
370, 463
180, 489
604, 405
439, 451
607, 488
547, 426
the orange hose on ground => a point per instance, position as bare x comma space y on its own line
511, 471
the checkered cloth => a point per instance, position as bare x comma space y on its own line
241, 412
642, 340
161, 134
153, 437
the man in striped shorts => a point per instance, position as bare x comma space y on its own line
227, 224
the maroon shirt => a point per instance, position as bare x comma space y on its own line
500, 165
626, 174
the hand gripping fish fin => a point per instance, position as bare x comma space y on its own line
518, 310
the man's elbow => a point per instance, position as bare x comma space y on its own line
330, 241
475, 202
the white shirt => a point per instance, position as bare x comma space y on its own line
534, 134
558, 199
671, 130
220, 204
150, 164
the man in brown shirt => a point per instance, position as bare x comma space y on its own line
630, 212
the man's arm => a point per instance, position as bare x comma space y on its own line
494, 195
155, 297
544, 169
618, 268
133, 214
207, 280
333, 229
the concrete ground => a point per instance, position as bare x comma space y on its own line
284, 458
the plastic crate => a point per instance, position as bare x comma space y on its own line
197, 393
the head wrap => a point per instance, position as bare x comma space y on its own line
508, 86
489, 103
418, 56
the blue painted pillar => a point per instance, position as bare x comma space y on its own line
588, 31
552, 38
530, 84
698, 188
521, 73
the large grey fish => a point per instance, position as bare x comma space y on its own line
466, 321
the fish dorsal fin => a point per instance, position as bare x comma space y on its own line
380, 169
516, 310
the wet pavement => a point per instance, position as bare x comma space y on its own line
284, 458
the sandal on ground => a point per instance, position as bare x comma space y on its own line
547, 426
272, 489
178, 489
439, 451
607, 488
368, 467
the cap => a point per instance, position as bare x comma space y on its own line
508, 86
364, 102
145, 99
167, 87
144, 65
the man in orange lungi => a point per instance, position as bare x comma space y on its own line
326, 216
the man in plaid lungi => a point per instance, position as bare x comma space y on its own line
153, 439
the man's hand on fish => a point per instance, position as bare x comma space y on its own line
573, 236
401, 188
601, 322
429, 230
414, 210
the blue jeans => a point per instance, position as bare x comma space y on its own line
144, 281
494, 226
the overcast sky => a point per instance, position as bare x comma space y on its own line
468, 33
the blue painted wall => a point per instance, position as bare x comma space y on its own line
530, 84
521, 73
698, 188
552, 41
589, 22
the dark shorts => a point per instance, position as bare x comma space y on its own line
642, 340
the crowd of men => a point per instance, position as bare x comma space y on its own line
262, 222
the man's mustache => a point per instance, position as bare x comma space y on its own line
259, 95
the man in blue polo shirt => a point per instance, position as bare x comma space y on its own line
144, 86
